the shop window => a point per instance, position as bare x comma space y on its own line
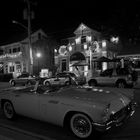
98, 65
18, 67
11, 69
1, 68
6, 69
64, 65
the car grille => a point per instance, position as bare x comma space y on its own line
120, 115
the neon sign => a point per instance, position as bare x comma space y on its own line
63, 50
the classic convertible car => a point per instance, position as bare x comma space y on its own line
82, 109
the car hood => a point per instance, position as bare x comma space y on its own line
100, 95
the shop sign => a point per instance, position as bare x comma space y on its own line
15, 55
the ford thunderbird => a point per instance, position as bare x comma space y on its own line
82, 109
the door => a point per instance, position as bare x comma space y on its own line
49, 108
27, 103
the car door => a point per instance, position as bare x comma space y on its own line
26, 103
55, 81
106, 78
49, 108
63, 79
22, 79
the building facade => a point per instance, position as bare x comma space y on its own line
15, 57
82, 51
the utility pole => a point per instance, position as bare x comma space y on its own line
28, 17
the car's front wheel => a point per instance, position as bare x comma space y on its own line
8, 110
121, 84
81, 126
13, 83
67, 83
47, 83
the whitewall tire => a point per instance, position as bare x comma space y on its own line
81, 126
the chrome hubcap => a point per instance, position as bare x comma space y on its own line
121, 85
8, 110
81, 125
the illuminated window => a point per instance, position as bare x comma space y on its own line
70, 48
88, 38
103, 43
85, 46
11, 69
78, 40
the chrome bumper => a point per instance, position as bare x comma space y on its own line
115, 120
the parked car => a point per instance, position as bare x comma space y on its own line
82, 109
81, 80
23, 79
64, 78
120, 78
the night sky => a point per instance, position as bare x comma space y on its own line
60, 19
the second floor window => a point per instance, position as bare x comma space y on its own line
16, 50
83, 39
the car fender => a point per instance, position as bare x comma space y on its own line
93, 112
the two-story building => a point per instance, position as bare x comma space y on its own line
15, 57
82, 51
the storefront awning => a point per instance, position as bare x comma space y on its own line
80, 64
103, 59
77, 57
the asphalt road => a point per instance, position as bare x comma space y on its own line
25, 128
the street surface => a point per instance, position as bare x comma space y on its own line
28, 129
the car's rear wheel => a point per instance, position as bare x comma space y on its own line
121, 84
13, 83
8, 110
81, 126
67, 83
47, 84
92, 83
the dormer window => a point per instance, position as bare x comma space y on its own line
83, 39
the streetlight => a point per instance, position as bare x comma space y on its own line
38, 54
16, 22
